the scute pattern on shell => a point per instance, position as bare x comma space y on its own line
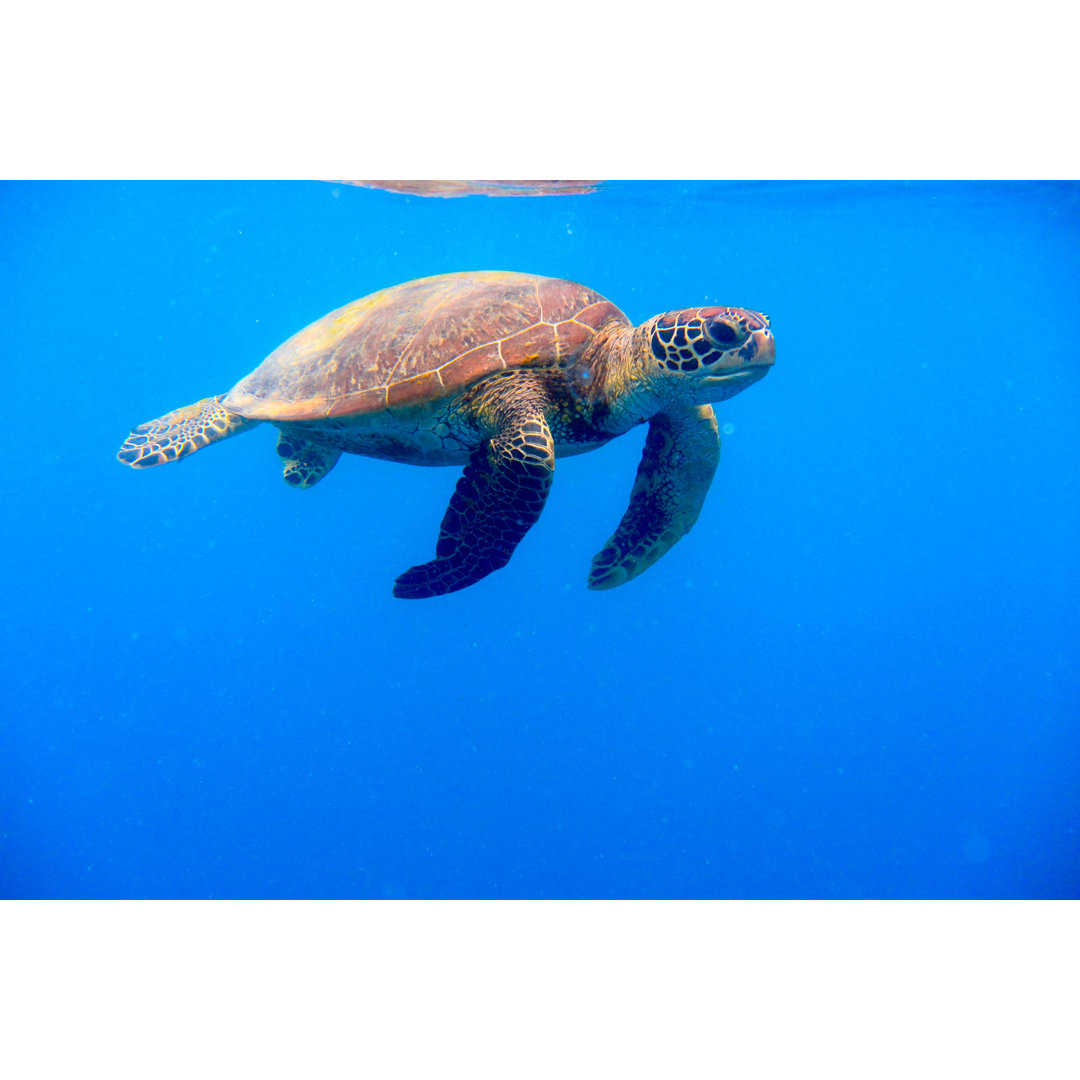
420, 342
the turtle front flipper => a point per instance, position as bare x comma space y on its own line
306, 462
181, 432
498, 498
681, 454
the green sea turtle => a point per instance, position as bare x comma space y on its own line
502, 373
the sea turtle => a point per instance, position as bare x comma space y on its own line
502, 373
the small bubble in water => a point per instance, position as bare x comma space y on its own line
728, 429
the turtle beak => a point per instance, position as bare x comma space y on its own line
742, 367
756, 355
766, 348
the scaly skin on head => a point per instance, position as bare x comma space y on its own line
679, 358
704, 355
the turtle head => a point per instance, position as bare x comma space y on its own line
709, 354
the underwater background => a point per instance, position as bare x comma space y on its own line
856, 678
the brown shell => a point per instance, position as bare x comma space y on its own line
421, 341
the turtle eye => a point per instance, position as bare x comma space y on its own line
723, 333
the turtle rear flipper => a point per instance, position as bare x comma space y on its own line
681, 453
306, 462
497, 500
181, 432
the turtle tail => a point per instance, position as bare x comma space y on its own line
181, 432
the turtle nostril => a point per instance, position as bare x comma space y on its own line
721, 332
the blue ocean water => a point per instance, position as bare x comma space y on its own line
856, 678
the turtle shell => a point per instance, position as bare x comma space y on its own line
419, 342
